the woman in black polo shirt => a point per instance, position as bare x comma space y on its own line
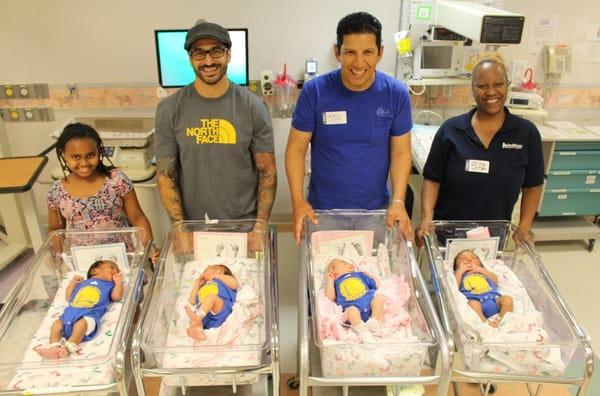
481, 160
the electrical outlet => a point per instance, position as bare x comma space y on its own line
13, 115
24, 91
9, 91
31, 114
73, 90
27, 114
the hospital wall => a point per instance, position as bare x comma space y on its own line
107, 49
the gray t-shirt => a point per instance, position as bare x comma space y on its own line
213, 141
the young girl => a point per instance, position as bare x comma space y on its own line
92, 195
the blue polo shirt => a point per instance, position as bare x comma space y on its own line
515, 161
350, 142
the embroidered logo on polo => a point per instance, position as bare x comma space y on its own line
381, 112
513, 146
213, 131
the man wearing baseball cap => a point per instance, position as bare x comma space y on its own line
214, 140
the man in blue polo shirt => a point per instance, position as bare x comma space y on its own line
357, 121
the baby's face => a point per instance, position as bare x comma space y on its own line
341, 267
211, 271
467, 258
106, 270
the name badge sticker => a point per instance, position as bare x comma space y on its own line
335, 118
477, 166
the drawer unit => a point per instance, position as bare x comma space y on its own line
571, 202
594, 146
575, 160
584, 179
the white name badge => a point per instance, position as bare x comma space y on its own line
334, 118
477, 166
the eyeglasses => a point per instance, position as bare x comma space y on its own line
214, 52
497, 85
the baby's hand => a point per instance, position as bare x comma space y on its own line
118, 277
331, 275
469, 268
76, 279
477, 269
199, 281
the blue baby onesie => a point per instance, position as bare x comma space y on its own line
478, 287
355, 289
90, 298
227, 294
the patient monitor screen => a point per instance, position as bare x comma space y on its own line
437, 57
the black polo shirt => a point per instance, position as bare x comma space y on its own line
458, 159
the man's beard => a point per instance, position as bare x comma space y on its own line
221, 72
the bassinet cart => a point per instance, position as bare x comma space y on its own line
540, 353
39, 298
421, 357
246, 346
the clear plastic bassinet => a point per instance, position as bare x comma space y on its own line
561, 341
223, 359
38, 299
412, 350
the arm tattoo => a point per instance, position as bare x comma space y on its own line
166, 177
267, 184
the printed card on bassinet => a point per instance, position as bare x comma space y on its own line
485, 249
343, 242
85, 256
208, 245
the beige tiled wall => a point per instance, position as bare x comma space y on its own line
147, 97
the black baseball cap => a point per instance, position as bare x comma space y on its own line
203, 29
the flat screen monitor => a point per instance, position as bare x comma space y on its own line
437, 57
174, 69
435, 60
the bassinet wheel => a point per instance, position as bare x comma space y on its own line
293, 383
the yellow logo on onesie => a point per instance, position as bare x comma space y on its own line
87, 297
352, 288
476, 283
213, 131
208, 289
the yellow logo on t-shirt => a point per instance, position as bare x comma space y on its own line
87, 297
207, 290
213, 131
352, 288
476, 283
